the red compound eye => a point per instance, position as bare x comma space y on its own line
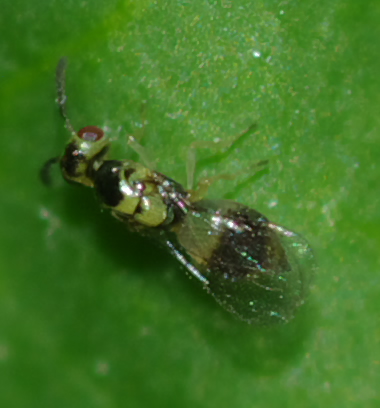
91, 134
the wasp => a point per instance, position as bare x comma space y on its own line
254, 268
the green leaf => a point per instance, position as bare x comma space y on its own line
94, 316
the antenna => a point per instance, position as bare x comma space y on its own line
45, 172
60, 77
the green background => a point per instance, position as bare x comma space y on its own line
94, 316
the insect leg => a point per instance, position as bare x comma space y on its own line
142, 152
224, 147
134, 141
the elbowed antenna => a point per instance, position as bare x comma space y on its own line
60, 77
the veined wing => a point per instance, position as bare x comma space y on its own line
255, 269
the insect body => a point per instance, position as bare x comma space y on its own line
254, 268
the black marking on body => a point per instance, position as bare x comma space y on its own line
107, 179
71, 160
128, 173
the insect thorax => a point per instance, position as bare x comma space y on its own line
136, 193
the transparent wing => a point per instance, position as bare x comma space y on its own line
256, 269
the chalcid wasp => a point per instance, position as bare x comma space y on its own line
254, 268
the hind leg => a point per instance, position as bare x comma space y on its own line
225, 147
